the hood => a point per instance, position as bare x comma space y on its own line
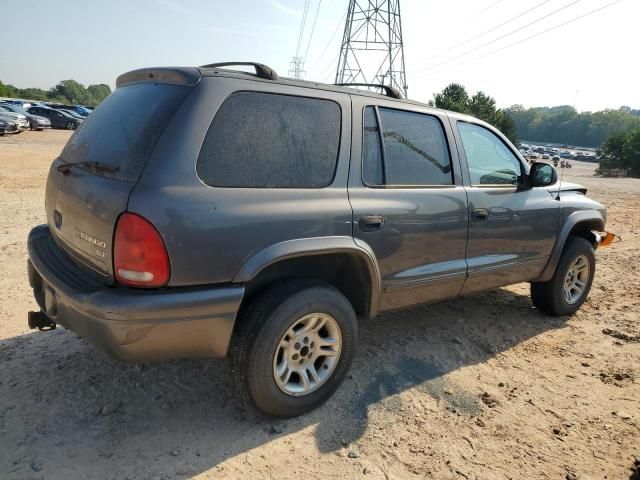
567, 187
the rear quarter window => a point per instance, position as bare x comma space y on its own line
123, 130
264, 140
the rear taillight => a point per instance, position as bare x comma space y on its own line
140, 258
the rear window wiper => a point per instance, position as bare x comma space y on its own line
93, 167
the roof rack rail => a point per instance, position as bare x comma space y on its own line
262, 71
389, 91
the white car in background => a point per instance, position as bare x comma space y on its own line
19, 119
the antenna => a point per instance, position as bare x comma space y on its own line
372, 50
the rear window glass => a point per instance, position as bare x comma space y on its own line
264, 140
122, 131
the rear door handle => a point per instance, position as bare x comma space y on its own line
371, 223
480, 214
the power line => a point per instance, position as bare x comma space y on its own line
488, 8
305, 11
482, 34
296, 66
329, 69
313, 29
591, 12
335, 32
512, 32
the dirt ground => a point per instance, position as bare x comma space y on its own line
481, 387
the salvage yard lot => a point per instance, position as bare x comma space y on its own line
480, 387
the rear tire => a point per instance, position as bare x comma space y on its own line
569, 287
275, 344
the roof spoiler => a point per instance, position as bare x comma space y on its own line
262, 71
388, 91
188, 76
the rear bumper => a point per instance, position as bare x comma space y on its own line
130, 324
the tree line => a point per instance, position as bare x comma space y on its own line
616, 133
564, 125
66, 91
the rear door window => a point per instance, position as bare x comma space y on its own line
264, 140
123, 130
413, 152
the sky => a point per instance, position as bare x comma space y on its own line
591, 63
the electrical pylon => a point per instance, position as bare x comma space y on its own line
296, 68
372, 50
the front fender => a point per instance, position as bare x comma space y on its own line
593, 217
314, 246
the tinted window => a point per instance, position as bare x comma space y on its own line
415, 149
266, 140
372, 173
490, 161
123, 130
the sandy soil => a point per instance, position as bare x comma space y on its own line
481, 387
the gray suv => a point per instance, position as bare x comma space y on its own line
205, 212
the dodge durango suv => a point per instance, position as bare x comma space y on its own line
206, 212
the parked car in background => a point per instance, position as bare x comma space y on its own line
84, 111
35, 122
58, 119
8, 126
79, 110
73, 113
21, 120
18, 123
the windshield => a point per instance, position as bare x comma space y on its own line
122, 131
16, 108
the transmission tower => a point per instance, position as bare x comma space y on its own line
296, 68
372, 50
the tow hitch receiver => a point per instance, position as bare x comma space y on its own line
40, 321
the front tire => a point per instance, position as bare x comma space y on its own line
71, 125
569, 287
293, 347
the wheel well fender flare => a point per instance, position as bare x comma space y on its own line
592, 217
315, 246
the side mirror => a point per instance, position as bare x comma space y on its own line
542, 175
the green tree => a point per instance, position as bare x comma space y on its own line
622, 150
7, 90
99, 92
455, 98
71, 90
632, 152
67, 91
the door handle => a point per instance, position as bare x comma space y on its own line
480, 214
371, 223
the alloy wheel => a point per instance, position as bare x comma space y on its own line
576, 280
307, 354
